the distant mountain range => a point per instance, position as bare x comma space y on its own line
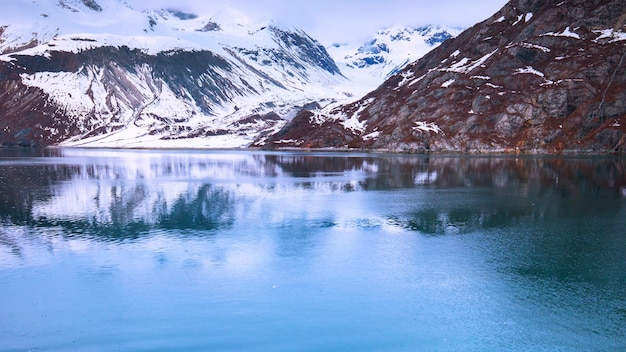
100, 73
538, 76
388, 51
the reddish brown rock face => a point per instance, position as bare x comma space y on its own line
26, 118
537, 77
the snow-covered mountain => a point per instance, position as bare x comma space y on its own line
538, 76
387, 52
100, 73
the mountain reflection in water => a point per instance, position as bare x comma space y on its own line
234, 250
116, 195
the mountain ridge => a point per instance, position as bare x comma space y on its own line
102, 74
166, 80
388, 51
536, 77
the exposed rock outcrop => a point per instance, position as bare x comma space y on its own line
64, 97
539, 76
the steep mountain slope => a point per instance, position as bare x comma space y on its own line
99, 73
538, 76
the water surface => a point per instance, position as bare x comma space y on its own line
196, 250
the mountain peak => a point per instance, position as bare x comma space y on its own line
387, 52
537, 77
89, 77
236, 21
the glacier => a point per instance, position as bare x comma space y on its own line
87, 73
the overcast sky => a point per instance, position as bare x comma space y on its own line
332, 21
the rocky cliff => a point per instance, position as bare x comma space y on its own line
102, 74
539, 76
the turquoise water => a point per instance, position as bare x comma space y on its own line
105, 250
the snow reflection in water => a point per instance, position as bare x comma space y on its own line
269, 251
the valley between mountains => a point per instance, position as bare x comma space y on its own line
538, 76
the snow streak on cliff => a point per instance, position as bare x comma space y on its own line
100, 73
537, 77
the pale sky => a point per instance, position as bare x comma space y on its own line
332, 21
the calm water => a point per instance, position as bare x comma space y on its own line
241, 251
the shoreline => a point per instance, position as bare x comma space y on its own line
455, 153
